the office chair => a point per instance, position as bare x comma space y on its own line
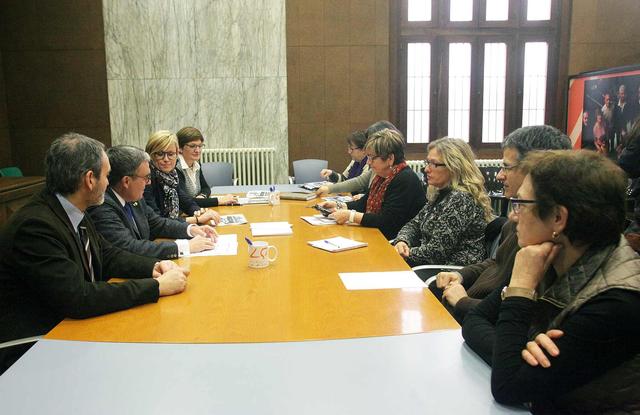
308, 170
428, 273
218, 174
10, 172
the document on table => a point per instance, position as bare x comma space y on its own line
270, 228
380, 280
238, 219
226, 245
318, 220
337, 244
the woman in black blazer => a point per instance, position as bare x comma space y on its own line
163, 194
191, 180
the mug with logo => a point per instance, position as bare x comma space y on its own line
259, 254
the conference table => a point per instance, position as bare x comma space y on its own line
288, 338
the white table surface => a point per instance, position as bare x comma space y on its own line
429, 373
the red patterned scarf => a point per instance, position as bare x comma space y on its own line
379, 188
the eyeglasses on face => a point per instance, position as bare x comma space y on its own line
433, 164
508, 167
349, 148
195, 146
147, 178
372, 157
516, 204
159, 155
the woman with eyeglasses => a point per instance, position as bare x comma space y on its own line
358, 164
450, 227
190, 177
395, 195
563, 336
163, 194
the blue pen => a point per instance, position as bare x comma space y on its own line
272, 188
248, 241
332, 244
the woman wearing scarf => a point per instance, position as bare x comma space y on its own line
450, 228
358, 165
163, 194
395, 195
564, 335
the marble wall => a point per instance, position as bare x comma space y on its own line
218, 65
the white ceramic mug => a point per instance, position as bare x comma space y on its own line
259, 254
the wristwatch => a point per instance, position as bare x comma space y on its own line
519, 292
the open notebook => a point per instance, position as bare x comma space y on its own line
337, 244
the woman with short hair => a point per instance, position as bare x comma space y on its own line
450, 227
163, 194
358, 164
564, 335
395, 195
190, 177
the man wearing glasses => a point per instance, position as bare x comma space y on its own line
464, 289
125, 219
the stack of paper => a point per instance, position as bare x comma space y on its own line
226, 245
344, 199
255, 197
238, 219
337, 244
318, 220
270, 228
380, 280
297, 195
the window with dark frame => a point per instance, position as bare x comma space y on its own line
474, 69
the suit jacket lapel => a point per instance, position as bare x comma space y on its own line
59, 211
113, 201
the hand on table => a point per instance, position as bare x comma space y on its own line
207, 215
322, 190
206, 231
201, 243
340, 216
163, 266
228, 200
535, 354
172, 282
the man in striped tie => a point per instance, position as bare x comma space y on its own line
53, 263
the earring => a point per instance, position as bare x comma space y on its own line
554, 235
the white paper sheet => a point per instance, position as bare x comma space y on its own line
318, 220
380, 280
226, 245
270, 228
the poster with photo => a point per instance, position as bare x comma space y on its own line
601, 108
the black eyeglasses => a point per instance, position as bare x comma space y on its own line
516, 204
171, 155
147, 178
433, 164
508, 167
195, 146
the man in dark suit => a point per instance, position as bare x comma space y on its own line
53, 263
125, 220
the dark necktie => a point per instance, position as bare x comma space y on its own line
129, 211
84, 238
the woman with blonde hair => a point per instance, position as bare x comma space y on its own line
163, 193
450, 227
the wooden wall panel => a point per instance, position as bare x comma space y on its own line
338, 74
54, 75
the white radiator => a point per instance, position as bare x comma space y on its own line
251, 166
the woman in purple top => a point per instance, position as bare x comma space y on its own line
358, 165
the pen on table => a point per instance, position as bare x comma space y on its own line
332, 244
248, 241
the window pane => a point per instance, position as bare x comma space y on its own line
459, 90
419, 10
535, 83
418, 92
497, 10
495, 68
538, 9
461, 10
